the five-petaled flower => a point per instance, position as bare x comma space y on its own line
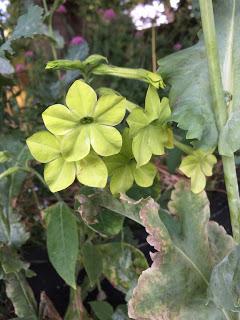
86, 122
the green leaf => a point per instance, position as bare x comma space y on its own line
5, 66
198, 166
44, 146
120, 313
21, 295
92, 261
229, 141
108, 223
28, 25
92, 171
59, 174
224, 287
62, 241
188, 247
102, 309
101, 220
122, 265
187, 73
149, 128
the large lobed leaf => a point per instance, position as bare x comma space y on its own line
190, 95
28, 25
188, 246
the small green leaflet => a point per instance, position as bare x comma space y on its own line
149, 128
123, 168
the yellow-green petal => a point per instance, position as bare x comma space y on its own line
105, 140
59, 174
110, 109
44, 146
121, 180
137, 120
92, 171
141, 150
145, 175
81, 99
152, 103
158, 138
114, 162
59, 120
76, 144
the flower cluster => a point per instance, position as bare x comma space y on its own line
77, 136
82, 141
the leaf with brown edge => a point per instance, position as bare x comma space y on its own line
188, 247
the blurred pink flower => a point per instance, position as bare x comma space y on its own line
61, 9
77, 40
177, 46
29, 53
109, 14
20, 67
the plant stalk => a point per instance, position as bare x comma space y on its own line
220, 111
154, 56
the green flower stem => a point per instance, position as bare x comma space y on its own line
183, 147
139, 74
220, 111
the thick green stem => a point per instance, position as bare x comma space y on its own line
220, 111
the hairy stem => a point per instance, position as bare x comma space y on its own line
220, 110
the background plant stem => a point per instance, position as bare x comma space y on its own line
220, 110
154, 56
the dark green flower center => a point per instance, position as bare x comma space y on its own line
86, 120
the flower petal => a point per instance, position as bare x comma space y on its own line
59, 174
145, 175
92, 171
44, 146
81, 99
158, 138
76, 144
122, 179
110, 109
137, 120
152, 103
105, 140
141, 150
115, 162
59, 120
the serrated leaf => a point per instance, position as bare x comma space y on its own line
186, 253
102, 309
28, 25
224, 289
122, 265
62, 241
187, 73
92, 261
